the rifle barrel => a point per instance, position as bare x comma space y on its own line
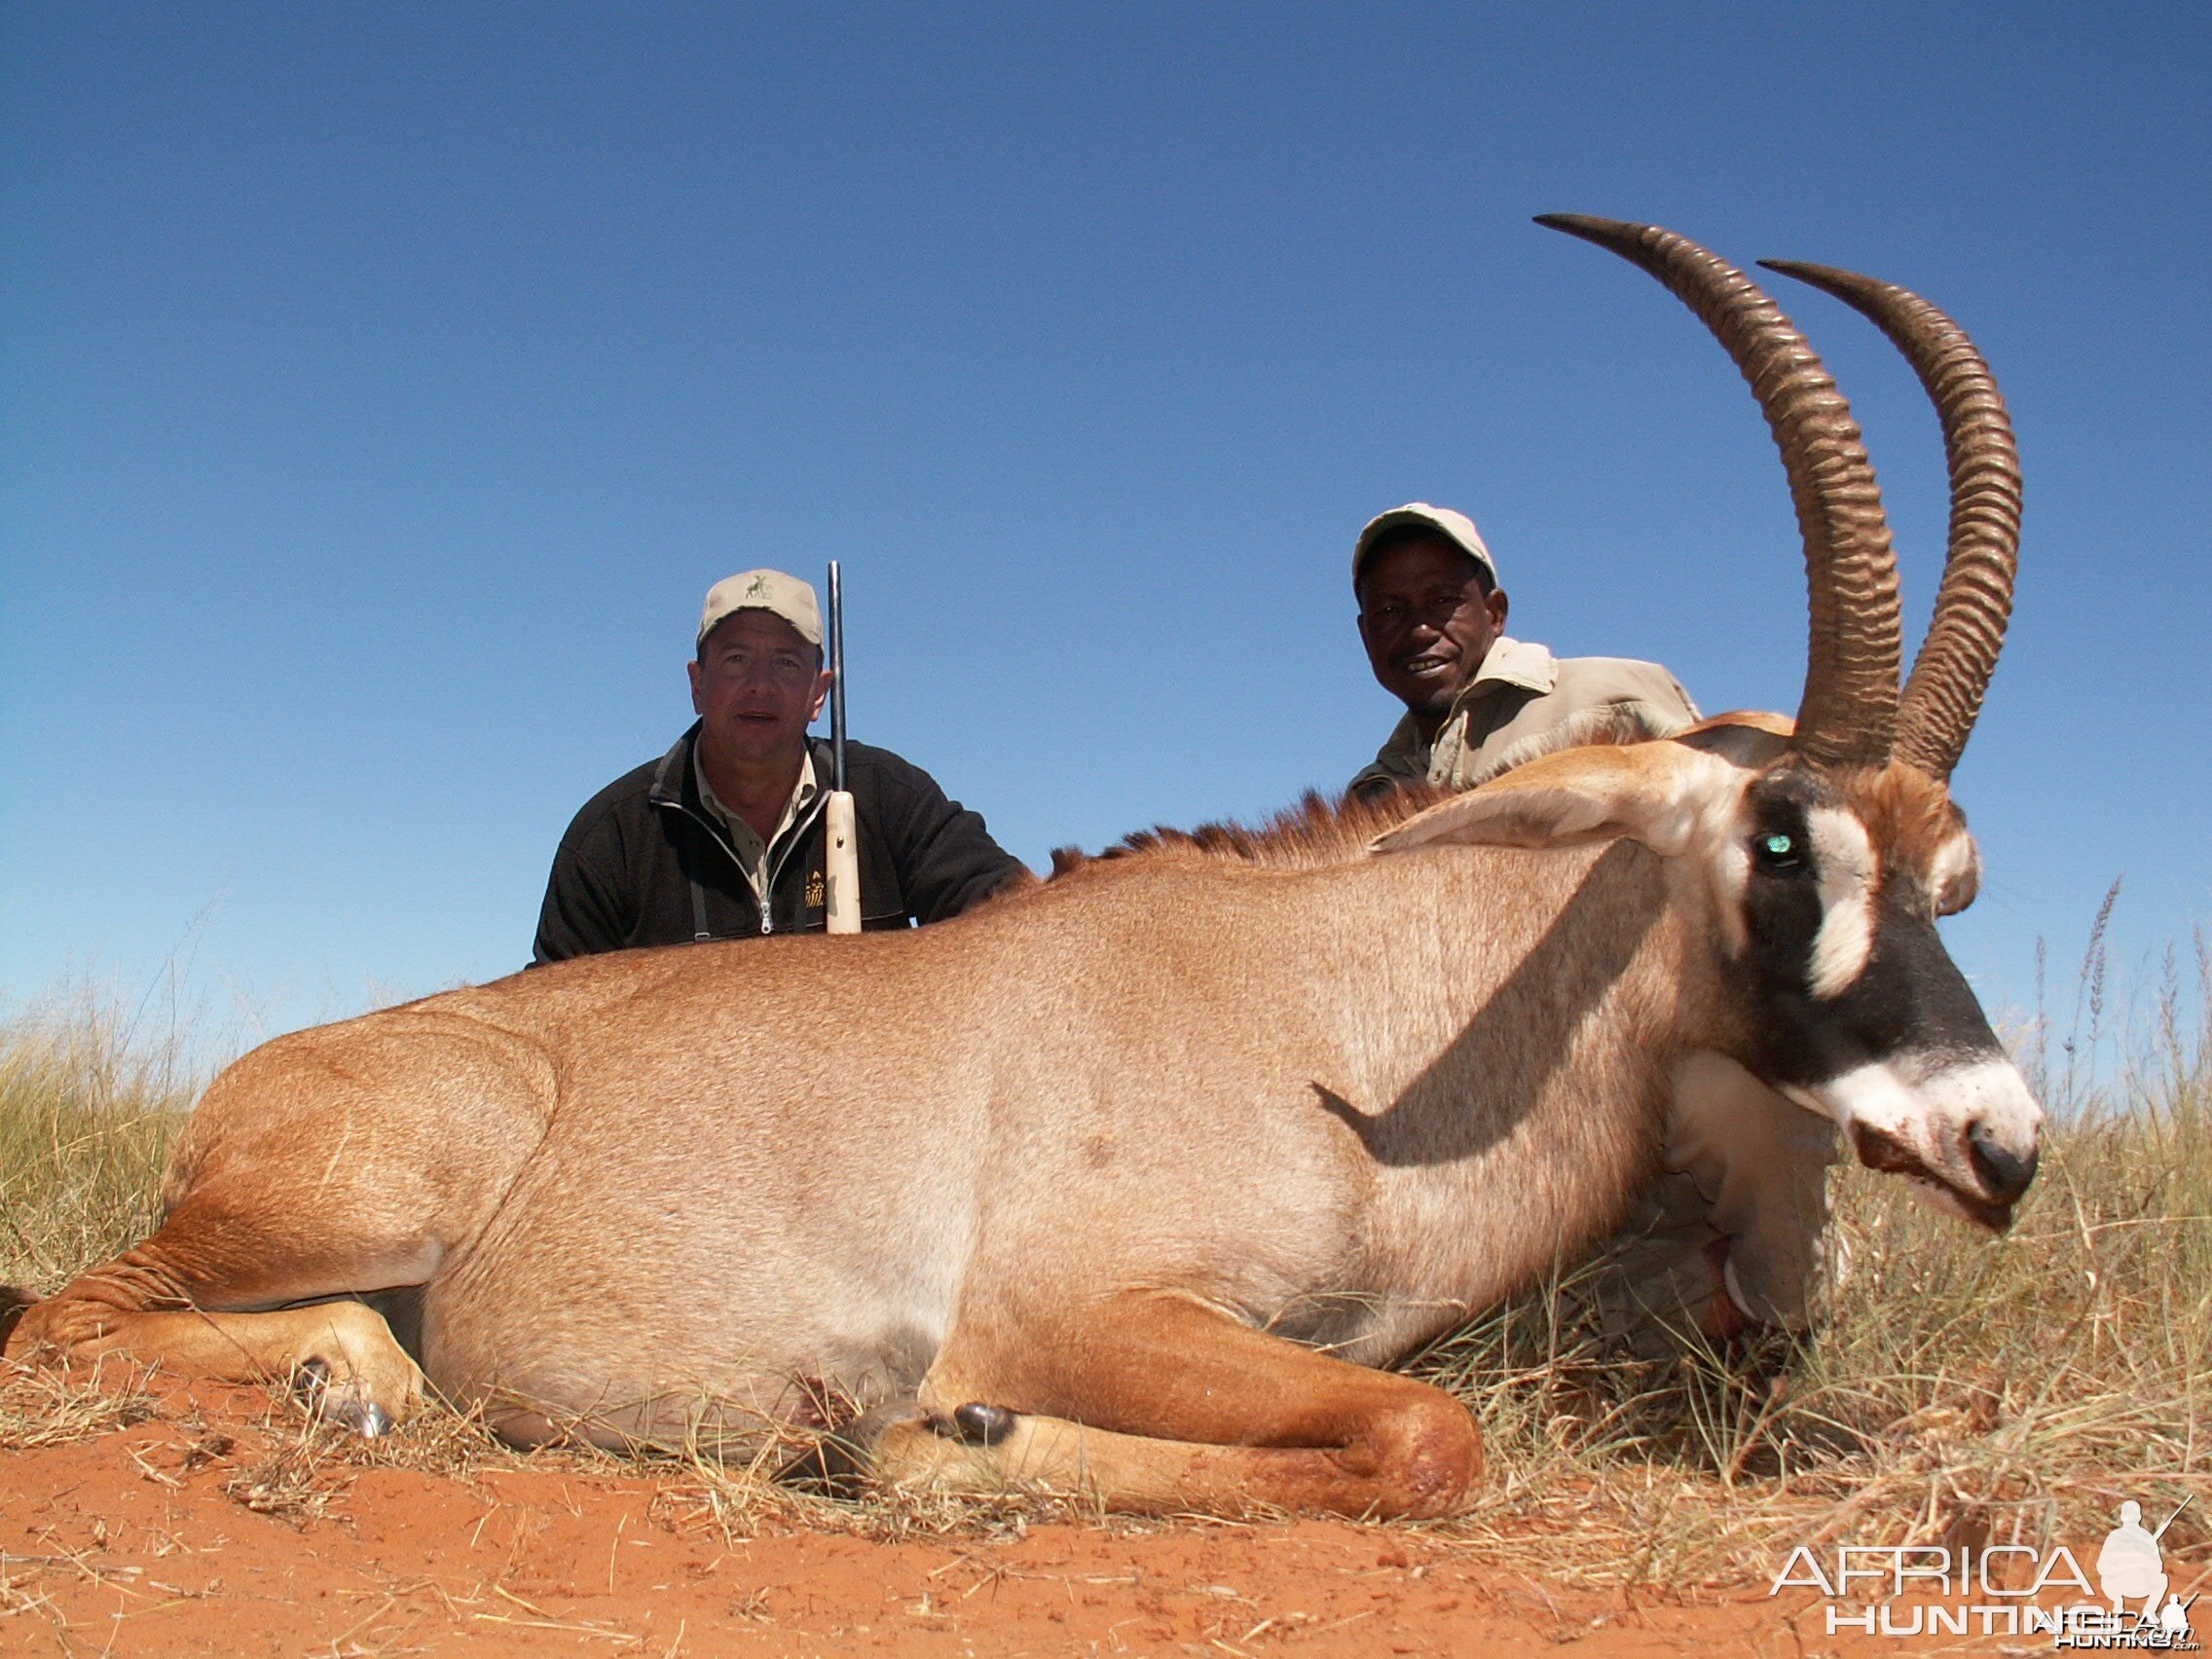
837, 678
2175, 1516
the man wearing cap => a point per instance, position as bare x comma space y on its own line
1733, 1237
721, 837
1432, 616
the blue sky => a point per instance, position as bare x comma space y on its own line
382, 387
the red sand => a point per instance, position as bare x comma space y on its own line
130, 1543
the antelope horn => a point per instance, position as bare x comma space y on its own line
1848, 712
1959, 652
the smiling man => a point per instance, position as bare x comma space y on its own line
721, 837
1432, 616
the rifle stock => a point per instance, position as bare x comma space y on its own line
841, 859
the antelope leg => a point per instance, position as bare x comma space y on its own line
1150, 1402
167, 1303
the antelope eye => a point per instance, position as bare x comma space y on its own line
1776, 851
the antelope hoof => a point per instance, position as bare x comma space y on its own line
979, 1425
370, 1421
311, 1382
349, 1410
355, 1376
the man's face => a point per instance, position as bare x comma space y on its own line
756, 685
1426, 622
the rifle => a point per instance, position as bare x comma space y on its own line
841, 864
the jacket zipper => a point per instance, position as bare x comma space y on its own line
800, 827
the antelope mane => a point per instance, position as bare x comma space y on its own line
1318, 832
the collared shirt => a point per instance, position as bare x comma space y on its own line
751, 851
1525, 702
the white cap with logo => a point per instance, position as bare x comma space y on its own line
1456, 528
771, 591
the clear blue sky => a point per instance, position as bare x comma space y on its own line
382, 387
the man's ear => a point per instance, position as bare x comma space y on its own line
822, 685
1657, 794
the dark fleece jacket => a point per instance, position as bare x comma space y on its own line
644, 862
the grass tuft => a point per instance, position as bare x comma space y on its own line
88, 1113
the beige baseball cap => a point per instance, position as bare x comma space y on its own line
1456, 528
771, 591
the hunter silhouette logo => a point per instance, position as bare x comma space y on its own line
2131, 1565
2173, 1621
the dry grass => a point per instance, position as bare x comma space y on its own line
87, 1111
48, 1408
1967, 1390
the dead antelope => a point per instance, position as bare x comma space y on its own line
1124, 1183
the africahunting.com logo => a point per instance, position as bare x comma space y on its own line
1906, 1590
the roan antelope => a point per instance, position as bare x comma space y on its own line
1124, 1183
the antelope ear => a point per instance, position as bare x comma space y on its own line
1657, 794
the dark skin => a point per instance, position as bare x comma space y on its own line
1427, 624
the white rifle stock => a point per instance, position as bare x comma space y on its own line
842, 860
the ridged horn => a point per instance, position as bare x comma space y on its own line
1848, 712
1956, 659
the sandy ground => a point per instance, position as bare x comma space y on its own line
221, 1524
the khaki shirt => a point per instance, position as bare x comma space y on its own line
1526, 702
753, 852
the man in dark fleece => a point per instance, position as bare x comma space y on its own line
721, 837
